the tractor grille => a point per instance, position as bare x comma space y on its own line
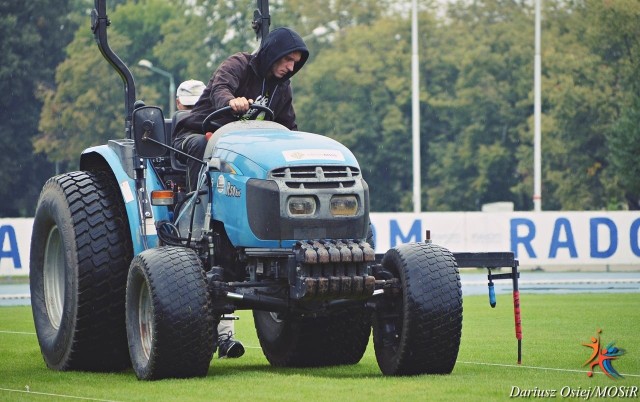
314, 177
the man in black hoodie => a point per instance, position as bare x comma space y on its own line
243, 79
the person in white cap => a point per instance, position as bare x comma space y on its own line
187, 95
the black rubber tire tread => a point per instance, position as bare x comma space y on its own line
428, 312
296, 341
89, 212
183, 327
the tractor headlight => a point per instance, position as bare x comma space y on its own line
344, 205
301, 206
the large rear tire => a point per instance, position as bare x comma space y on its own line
80, 253
296, 341
418, 331
169, 322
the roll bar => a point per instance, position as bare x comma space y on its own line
261, 20
99, 24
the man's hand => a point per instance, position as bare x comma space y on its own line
240, 105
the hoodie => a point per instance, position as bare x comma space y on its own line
247, 75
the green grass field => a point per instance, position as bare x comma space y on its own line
554, 327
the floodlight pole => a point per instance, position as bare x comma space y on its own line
415, 108
537, 138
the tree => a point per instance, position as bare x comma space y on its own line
476, 91
582, 99
613, 33
199, 37
477, 70
86, 108
493, 95
30, 34
358, 92
624, 142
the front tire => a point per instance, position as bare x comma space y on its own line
168, 315
295, 341
80, 251
418, 330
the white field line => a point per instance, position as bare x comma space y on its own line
522, 282
540, 368
26, 391
33, 333
17, 333
16, 296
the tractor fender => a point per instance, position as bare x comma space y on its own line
118, 158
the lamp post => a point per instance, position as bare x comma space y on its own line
537, 112
415, 110
172, 85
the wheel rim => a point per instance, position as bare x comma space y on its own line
145, 319
54, 277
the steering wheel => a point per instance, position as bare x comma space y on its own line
210, 125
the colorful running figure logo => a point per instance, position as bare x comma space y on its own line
603, 357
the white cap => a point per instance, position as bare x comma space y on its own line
189, 92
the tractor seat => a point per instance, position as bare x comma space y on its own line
175, 163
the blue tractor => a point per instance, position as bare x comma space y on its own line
129, 270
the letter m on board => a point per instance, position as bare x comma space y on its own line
12, 252
395, 233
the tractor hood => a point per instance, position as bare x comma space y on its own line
267, 145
